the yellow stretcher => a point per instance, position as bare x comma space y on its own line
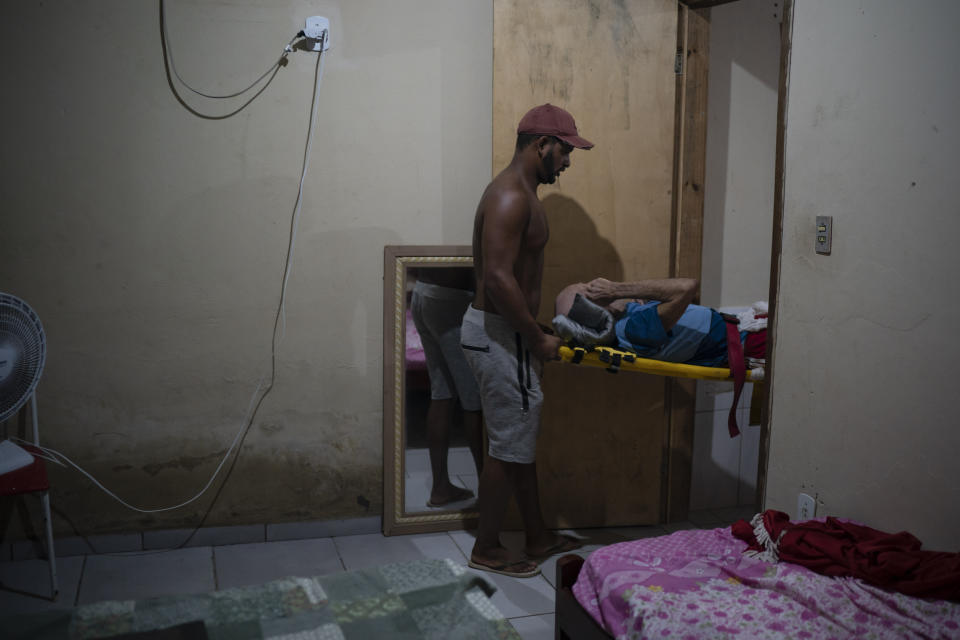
614, 360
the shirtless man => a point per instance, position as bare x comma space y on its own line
500, 333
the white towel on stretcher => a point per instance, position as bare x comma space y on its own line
755, 318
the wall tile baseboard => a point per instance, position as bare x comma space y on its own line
323, 528
175, 538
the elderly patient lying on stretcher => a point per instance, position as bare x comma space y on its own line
656, 320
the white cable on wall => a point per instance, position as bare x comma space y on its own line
318, 74
63, 460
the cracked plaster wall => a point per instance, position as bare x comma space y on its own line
864, 409
152, 242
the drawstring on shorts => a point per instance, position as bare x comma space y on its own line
523, 362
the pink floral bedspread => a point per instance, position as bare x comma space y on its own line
698, 584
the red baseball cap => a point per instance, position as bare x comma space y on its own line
548, 120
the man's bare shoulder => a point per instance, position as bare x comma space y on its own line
506, 195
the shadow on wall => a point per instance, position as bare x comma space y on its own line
575, 252
715, 195
744, 36
724, 468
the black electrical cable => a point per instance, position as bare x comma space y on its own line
171, 73
173, 66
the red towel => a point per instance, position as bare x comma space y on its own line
836, 548
755, 345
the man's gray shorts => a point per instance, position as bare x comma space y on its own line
509, 384
437, 312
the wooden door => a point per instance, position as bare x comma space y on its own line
604, 443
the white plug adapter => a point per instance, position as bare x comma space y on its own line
316, 26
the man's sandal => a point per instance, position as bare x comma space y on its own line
563, 544
508, 568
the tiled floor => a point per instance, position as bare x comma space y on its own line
528, 603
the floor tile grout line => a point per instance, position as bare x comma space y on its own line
336, 547
83, 570
533, 615
462, 554
213, 566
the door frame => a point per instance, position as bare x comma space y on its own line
689, 172
786, 44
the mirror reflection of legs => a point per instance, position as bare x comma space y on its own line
440, 418
438, 301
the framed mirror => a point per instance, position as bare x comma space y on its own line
410, 491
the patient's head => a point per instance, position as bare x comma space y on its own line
565, 298
568, 294
581, 321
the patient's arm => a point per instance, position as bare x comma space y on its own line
674, 294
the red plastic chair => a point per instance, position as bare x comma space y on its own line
33, 479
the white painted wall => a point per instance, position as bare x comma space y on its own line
741, 150
864, 387
152, 242
737, 226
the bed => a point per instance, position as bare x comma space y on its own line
701, 584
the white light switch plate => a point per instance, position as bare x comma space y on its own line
824, 237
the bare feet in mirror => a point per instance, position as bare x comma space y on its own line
451, 493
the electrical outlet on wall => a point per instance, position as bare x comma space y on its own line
806, 507
316, 26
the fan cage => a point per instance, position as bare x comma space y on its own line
21, 333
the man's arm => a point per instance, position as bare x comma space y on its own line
504, 227
674, 294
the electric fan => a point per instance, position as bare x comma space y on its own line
23, 350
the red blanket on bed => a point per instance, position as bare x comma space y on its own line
837, 548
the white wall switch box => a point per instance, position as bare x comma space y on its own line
316, 26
